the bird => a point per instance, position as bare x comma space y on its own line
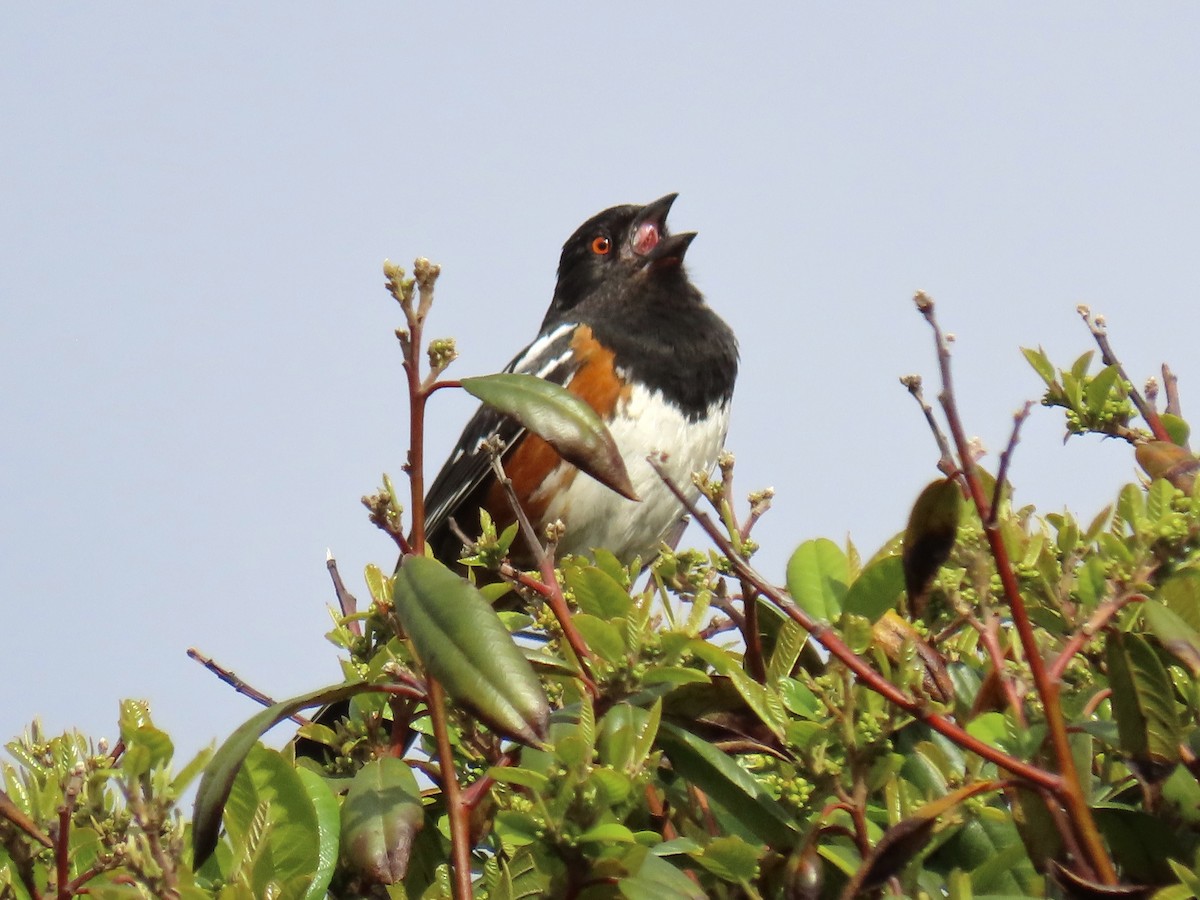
628, 333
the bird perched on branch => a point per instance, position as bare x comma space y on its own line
628, 333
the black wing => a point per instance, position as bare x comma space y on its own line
468, 468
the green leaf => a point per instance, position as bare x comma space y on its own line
656, 879
702, 764
464, 645
877, 589
602, 637
328, 814
561, 419
730, 858
1181, 594
1142, 699
1141, 843
1080, 367
1100, 387
380, 818
526, 778
1176, 635
1041, 364
221, 771
608, 833
765, 702
273, 826
597, 592
788, 645
1177, 428
817, 575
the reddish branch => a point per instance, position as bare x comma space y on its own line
1068, 789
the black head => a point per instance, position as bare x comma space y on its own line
616, 256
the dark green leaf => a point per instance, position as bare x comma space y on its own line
729, 784
1142, 699
1141, 843
380, 817
463, 644
561, 419
929, 537
1181, 594
1176, 635
221, 771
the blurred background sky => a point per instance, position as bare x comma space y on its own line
198, 378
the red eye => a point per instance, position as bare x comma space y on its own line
601, 246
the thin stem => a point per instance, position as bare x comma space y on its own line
828, 638
1068, 789
347, 602
545, 561
231, 679
62, 840
456, 810
1005, 458
946, 463
1097, 327
1099, 618
1171, 388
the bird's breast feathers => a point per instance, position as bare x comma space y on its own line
642, 424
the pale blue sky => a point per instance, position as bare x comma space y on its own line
197, 373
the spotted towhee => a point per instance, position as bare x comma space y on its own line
628, 333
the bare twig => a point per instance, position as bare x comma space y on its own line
227, 676
1005, 459
828, 638
1096, 325
1171, 388
1068, 789
346, 600
1099, 618
946, 463
545, 561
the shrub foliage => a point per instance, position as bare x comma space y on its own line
994, 703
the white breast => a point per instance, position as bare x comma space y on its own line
645, 424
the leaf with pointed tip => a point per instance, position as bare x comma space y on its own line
559, 418
223, 768
907, 838
463, 644
703, 765
929, 537
1143, 700
1041, 364
1177, 636
380, 817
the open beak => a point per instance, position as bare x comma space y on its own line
649, 240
